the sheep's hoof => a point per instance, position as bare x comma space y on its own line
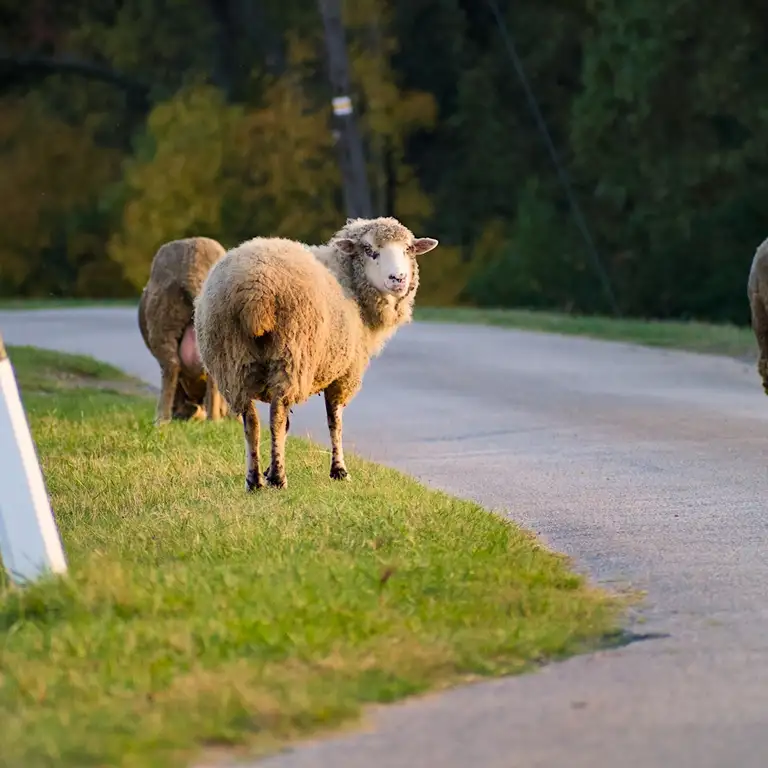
199, 414
340, 473
275, 480
161, 421
253, 481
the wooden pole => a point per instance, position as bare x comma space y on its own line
349, 144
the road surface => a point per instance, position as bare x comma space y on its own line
649, 467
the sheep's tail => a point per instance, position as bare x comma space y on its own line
259, 315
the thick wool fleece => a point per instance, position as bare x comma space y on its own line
279, 319
272, 322
757, 291
166, 311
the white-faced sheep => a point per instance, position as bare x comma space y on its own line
757, 291
278, 321
166, 309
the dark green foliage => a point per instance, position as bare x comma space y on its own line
544, 265
656, 108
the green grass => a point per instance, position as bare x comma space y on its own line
197, 617
43, 371
708, 338
64, 303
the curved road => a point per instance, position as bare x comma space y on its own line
650, 467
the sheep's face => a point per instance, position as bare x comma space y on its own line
389, 265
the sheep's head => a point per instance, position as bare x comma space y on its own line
386, 251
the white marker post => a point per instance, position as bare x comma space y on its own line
30, 544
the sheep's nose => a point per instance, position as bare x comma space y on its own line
399, 278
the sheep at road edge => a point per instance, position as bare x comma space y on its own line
166, 309
278, 321
757, 292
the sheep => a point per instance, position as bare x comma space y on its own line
166, 309
757, 291
278, 321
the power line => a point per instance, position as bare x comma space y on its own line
561, 172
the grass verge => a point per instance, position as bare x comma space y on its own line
195, 616
708, 338
64, 303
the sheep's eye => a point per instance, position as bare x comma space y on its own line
370, 252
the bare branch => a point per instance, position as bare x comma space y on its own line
41, 66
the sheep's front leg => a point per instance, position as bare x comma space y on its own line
278, 424
182, 409
333, 409
760, 328
252, 432
762, 369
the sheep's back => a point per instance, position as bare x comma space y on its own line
184, 263
175, 279
273, 321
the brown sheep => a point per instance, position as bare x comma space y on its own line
166, 310
278, 321
757, 291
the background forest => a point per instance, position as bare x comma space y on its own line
127, 123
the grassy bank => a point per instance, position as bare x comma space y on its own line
196, 617
693, 336
64, 303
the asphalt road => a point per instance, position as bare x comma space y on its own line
649, 467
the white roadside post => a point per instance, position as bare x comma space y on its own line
30, 544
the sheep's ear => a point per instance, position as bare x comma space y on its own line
345, 245
423, 245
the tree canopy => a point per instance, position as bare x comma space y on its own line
127, 123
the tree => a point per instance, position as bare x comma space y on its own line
40, 156
175, 183
685, 95
390, 112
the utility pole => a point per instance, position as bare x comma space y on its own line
349, 143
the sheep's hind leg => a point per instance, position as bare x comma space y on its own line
278, 423
333, 410
252, 432
168, 385
213, 401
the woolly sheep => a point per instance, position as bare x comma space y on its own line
757, 291
166, 309
278, 321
